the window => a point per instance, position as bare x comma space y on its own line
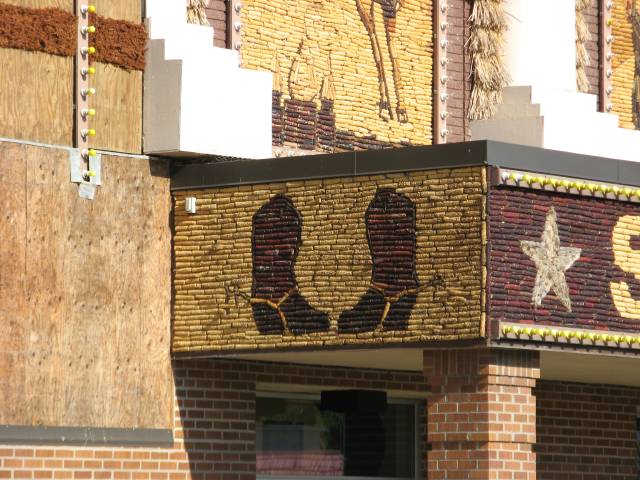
638, 445
296, 438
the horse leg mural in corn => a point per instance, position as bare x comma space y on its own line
367, 11
634, 18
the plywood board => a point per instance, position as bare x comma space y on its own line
66, 5
13, 311
92, 347
118, 103
47, 190
130, 10
36, 98
156, 393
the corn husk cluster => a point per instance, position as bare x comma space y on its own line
196, 12
488, 25
582, 37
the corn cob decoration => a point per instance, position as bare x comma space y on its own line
634, 17
337, 44
582, 37
625, 81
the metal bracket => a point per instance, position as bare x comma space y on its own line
83, 172
87, 190
87, 174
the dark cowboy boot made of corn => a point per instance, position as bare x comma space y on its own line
391, 232
277, 305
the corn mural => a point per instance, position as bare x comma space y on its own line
348, 74
626, 62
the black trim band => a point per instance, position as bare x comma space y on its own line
85, 436
202, 175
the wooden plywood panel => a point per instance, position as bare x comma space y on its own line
130, 10
156, 396
48, 190
118, 102
93, 347
13, 309
66, 5
126, 288
36, 98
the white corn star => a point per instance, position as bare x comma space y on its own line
552, 261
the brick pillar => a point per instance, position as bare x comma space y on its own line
481, 414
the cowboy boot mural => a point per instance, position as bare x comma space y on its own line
277, 305
391, 232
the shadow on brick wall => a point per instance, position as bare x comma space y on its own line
215, 415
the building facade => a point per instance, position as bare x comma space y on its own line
373, 238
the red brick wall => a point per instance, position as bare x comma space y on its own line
214, 425
586, 432
458, 68
481, 414
217, 15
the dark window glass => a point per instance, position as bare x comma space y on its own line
296, 438
638, 445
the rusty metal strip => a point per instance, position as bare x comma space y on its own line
440, 78
606, 55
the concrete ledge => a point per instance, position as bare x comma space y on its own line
85, 436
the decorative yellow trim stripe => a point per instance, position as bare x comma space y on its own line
533, 181
568, 336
